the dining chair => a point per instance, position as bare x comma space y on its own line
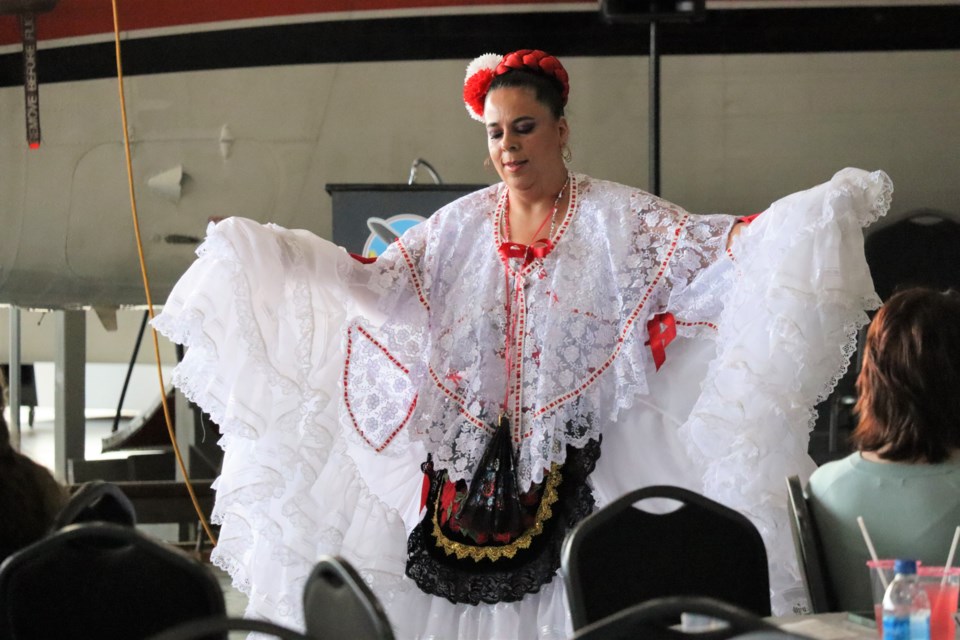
656, 619
338, 604
94, 501
624, 554
809, 550
102, 580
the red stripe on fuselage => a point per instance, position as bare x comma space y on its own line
76, 18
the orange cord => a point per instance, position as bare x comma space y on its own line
146, 285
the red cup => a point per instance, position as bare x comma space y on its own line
943, 588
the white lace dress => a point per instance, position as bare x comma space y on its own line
332, 380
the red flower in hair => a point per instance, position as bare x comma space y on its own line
482, 70
475, 91
539, 62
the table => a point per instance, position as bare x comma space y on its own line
828, 626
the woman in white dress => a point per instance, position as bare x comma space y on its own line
437, 417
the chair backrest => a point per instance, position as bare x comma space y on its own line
656, 619
806, 543
338, 605
97, 501
925, 245
105, 581
622, 555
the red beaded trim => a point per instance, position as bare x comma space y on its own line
517, 374
497, 222
571, 210
701, 323
346, 395
413, 274
366, 334
626, 327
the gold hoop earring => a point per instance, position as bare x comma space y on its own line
566, 154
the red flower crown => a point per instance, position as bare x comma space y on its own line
481, 72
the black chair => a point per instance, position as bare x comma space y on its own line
622, 555
105, 581
806, 543
97, 501
337, 605
919, 249
656, 619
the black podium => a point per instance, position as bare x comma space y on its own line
367, 217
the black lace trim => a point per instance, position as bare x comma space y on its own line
467, 581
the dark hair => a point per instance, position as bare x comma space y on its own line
547, 90
30, 497
909, 384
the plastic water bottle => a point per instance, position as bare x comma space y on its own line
906, 607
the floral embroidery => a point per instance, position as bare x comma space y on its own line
572, 332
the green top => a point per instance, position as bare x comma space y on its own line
910, 510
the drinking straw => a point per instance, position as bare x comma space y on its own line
953, 550
873, 552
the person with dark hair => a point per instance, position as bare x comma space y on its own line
437, 416
30, 497
904, 477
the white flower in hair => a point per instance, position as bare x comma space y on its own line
486, 61
477, 82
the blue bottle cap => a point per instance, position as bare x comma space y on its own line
901, 565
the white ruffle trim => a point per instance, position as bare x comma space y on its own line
291, 488
785, 339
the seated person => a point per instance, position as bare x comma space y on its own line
30, 497
904, 477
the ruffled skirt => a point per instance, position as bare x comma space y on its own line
262, 312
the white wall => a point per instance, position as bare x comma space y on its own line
103, 384
38, 338
738, 132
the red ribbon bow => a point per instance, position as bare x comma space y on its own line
527, 253
662, 329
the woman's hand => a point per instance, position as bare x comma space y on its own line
734, 232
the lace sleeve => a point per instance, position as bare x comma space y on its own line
698, 270
392, 287
386, 338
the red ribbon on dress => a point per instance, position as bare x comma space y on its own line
362, 259
539, 249
662, 329
512, 250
